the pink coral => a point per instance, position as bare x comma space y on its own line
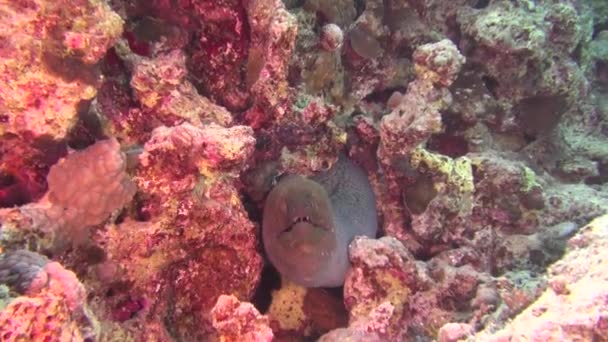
100, 169
413, 121
453, 332
369, 328
383, 274
332, 37
212, 147
236, 321
273, 34
441, 62
54, 309
418, 116
161, 87
574, 306
85, 188
199, 242
43, 51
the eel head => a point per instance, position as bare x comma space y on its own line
299, 232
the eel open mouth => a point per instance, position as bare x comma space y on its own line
297, 220
305, 219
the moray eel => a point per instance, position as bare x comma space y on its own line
308, 223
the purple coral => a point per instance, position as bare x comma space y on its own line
53, 307
21, 269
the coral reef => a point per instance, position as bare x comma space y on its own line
199, 243
48, 62
23, 168
573, 307
286, 311
20, 270
139, 141
237, 321
53, 305
68, 210
381, 282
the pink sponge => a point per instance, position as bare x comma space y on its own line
91, 184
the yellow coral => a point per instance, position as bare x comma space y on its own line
455, 172
395, 292
529, 179
287, 308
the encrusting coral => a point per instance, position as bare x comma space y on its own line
573, 306
48, 62
417, 116
140, 139
67, 212
236, 321
100, 169
198, 242
384, 275
53, 302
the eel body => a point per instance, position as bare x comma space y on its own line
308, 223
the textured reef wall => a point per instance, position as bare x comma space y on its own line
139, 140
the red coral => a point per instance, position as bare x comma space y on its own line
221, 50
127, 309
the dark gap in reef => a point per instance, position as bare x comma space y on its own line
253, 212
7, 180
382, 96
601, 72
599, 27
325, 308
491, 84
481, 4
121, 216
25, 163
577, 54
141, 212
359, 7
12, 192
602, 177
449, 145
418, 195
539, 115
71, 68
87, 129
270, 280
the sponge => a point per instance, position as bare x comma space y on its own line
91, 184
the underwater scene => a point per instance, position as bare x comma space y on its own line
303, 170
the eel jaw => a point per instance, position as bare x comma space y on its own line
304, 219
300, 219
305, 235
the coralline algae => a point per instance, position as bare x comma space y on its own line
480, 127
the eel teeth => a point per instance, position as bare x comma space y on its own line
302, 219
